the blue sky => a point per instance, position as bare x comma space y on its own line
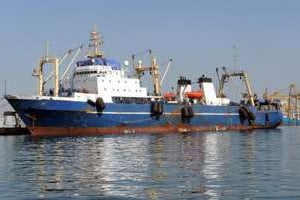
198, 35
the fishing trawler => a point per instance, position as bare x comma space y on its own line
101, 98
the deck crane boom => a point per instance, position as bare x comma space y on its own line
166, 71
243, 75
61, 61
71, 62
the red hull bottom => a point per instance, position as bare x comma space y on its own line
94, 131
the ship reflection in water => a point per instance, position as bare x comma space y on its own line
260, 164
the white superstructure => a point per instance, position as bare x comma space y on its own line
106, 81
210, 97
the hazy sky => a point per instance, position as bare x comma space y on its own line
198, 35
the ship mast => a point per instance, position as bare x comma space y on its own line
95, 44
155, 75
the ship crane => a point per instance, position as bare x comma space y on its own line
154, 71
293, 99
60, 62
39, 72
166, 71
243, 76
71, 62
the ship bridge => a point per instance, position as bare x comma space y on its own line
114, 64
97, 67
106, 81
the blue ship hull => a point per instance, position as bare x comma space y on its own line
286, 121
67, 117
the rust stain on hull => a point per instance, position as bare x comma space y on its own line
94, 131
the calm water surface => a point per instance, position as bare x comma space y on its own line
228, 165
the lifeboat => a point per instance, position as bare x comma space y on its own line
194, 95
169, 96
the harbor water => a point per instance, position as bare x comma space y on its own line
261, 164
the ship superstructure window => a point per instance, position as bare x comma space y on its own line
86, 72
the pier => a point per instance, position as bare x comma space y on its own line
12, 129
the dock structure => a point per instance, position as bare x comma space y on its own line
15, 129
289, 99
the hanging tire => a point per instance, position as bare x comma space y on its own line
190, 112
184, 112
100, 105
90, 102
246, 114
251, 115
187, 114
157, 109
243, 113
